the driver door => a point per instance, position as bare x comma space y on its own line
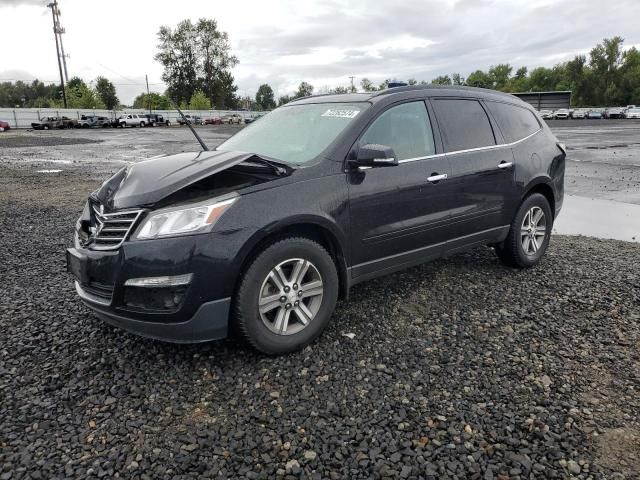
400, 215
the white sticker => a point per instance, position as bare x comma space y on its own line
342, 113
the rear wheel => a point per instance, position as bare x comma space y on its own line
530, 233
286, 296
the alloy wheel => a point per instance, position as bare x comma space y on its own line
533, 231
290, 296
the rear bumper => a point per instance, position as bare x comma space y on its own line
210, 322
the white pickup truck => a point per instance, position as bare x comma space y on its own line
132, 120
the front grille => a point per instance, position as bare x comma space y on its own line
109, 230
100, 290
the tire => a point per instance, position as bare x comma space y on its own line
46, 127
260, 280
522, 233
142, 124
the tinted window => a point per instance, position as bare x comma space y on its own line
405, 128
464, 124
515, 122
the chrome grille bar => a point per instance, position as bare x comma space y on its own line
112, 229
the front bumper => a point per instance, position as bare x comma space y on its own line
198, 312
208, 323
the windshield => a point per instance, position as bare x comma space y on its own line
295, 134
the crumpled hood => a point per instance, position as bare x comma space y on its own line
147, 182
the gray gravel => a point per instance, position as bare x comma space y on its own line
457, 369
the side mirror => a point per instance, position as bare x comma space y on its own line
373, 155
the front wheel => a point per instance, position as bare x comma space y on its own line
286, 296
529, 234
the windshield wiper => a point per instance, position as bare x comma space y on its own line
277, 167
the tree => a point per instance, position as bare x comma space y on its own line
479, 79
107, 93
340, 90
264, 97
412, 81
200, 101
367, 85
196, 57
457, 79
499, 75
79, 95
284, 99
153, 100
442, 80
304, 90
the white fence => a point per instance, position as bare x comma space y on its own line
22, 117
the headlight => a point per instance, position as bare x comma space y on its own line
177, 222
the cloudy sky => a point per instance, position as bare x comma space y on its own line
282, 42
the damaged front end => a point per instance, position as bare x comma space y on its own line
197, 183
157, 288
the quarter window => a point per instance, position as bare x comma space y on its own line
405, 128
515, 122
464, 124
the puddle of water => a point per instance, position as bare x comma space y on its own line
598, 218
48, 171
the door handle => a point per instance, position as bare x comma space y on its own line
437, 177
504, 164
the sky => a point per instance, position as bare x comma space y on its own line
283, 42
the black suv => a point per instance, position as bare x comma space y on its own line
267, 231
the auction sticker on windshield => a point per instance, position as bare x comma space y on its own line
342, 113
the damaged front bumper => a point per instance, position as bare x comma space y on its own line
166, 289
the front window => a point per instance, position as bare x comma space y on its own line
295, 134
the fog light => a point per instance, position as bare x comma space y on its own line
160, 282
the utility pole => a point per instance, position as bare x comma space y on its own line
56, 32
353, 89
146, 78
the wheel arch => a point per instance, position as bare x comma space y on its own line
314, 228
543, 186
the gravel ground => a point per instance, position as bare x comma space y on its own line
457, 369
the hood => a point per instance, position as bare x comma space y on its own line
149, 181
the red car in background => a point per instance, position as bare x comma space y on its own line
4, 126
213, 121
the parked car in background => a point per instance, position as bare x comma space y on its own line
48, 123
4, 126
614, 112
69, 122
154, 119
561, 114
132, 120
213, 121
633, 113
267, 231
579, 113
594, 114
232, 118
195, 120
91, 121
255, 117
546, 114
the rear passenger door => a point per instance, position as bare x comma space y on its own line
481, 170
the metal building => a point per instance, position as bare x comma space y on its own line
546, 100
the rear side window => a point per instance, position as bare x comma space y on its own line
515, 122
405, 128
464, 124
